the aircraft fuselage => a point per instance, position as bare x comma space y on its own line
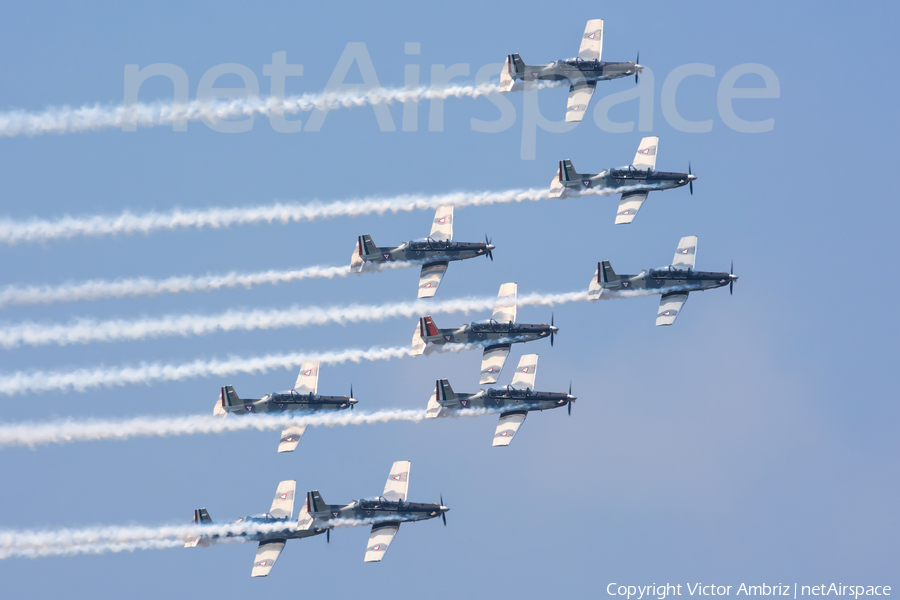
379, 510
663, 281
635, 180
509, 398
292, 401
512, 333
427, 251
577, 71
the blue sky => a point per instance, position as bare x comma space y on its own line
754, 441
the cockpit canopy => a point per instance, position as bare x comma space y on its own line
670, 273
431, 244
380, 503
259, 518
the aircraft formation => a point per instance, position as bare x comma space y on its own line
495, 336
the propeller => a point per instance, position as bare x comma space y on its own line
443, 514
690, 181
490, 252
552, 333
351, 395
731, 283
328, 536
570, 402
637, 62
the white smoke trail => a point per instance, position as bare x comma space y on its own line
94, 540
85, 331
60, 432
65, 119
66, 431
80, 380
17, 295
37, 230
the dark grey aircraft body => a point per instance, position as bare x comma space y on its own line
385, 512
302, 398
434, 253
278, 524
635, 181
674, 282
496, 335
582, 72
514, 401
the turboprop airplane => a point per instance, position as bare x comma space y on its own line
674, 282
514, 401
635, 181
277, 523
385, 512
582, 72
303, 397
434, 252
498, 334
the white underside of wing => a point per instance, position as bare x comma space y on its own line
507, 427
492, 363
579, 98
629, 205
290, 437
430, 278
669, 307
266, 555
380, 539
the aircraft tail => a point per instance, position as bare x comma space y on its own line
445, 394
513, 69
567, 174
318, 509
367, 247
428, 330
228, 401
604, 279
201, 517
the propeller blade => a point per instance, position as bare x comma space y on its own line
552, 333
351, 395
731, 283
637, 62
570, 408
443, 514
690, 183
327, 536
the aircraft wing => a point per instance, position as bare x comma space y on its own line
669, 307
266, 555
525, 372
492, 362
308, 379
579, 98
629, 205
430, 278
505, 309
397, 482
380, 539
508, 426
442, 227
283, 503
290, 437
686, 253
592, 40
645, 157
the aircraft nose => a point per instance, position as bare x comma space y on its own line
733, 277
692, 177
490, 247
354, 401
554, 329
570, 397
444, 509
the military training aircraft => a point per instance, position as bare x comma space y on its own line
673, 282
514, 401
385, 512
636, 180
498, 334
303, 397
434, 253
271, 543
582, 72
